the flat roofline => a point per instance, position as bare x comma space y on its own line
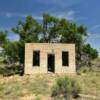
54, 43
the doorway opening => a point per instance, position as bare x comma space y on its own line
51, 63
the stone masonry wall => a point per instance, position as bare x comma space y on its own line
45, 49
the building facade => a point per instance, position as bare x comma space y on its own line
49, 57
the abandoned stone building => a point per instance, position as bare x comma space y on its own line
49, 57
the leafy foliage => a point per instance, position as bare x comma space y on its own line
89, 50
28, 32
11, 50
65, 86
63, 31
51, 29
3, 38
6, 70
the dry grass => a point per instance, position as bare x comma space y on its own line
14, 87
90, 83
38, 87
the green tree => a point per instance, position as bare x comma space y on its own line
11, 50
93, 53
64, 31
3, 37
28, 31
51, 29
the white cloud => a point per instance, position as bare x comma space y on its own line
94, 36
70, 15
37, 17
67, 15
94, 27
10, 14
81, 18
5, 28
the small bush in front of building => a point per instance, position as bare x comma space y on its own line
66, 87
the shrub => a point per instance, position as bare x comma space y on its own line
93, 53
66, 87
11, 70
83, 69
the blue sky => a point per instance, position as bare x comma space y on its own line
86, 12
